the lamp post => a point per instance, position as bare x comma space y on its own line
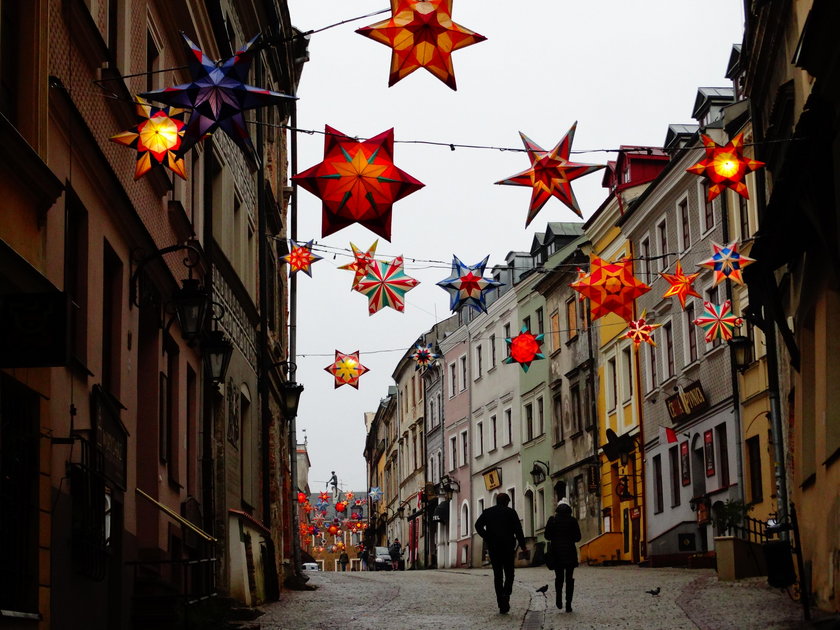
290, 392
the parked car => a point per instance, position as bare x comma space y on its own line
382, 559
311, 566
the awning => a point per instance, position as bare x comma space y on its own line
173, 514
441, 513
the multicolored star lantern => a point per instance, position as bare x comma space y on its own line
346, 369
361, 262
524, 348
421, 34
551, 174
300, 257
158, 136
681, 285
467, 286
718, 322
611, 288
357, 182
424, 356
386, 285
375, 493
640, 330
217, 95
727, 262
725, 166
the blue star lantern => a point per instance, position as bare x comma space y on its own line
467, 286
375, 493
217, 96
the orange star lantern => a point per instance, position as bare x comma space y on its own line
301, 497
361, 264
357, 182
725, 166
157, 137
346, 369
324, 496
300, 257
421, 34
611, 288
640, 330
681, 285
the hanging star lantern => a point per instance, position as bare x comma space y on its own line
348, 496
386, 285
375, 493
157, 137
725, 166
641, 331
217, 95
727, 262
551, 174
357, 182
300, 257
324, 496
359, 502
524, 348
581, 274
467, 286
421, 34
302, 497
424, 356
681, 285
346, 369
611, 288
361, 262
718, 321
318, 521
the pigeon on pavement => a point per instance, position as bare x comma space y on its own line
654, 592
542, 589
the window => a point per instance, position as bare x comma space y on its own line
670, 368
571, 318
723, 455
754, 463
712, 296
439, 467
492, 433
453, 452
540, 321
249, 448
465, 520
479, 439
708, 209
453, 380
75, 267
112, 299
612, 390
507, 336
152, 61
744, 217
577, 411
478, 362
463, 361
540, 417
492, 350
508, 427
464, 455
540, 509
674, 461
644, 250
685, 234
657, 484
627, 372
691, 331
662, 237
480, 506
526, 324
555, 330
558, 418
529, 422
652, 365
10, 48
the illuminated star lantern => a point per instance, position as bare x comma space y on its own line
551, 174
324, 497
348, 497
725, 166
301, 497
357, 182
424, 356
681, 285
421, 34
333, 529
467, 286
386, 285
375, 493
318, 521
718, 321
341, 506
640, 331
346, 369
300, 257
157, 137
361, 262
217, 95
727, 262
611, 288
524, 348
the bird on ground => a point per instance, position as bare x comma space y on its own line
542, 589
654, 592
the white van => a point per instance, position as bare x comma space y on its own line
311, 566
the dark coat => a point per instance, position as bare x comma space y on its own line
500, 528
563, 531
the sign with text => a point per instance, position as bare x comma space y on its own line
111, 436
684, 464
687, 402
709, 451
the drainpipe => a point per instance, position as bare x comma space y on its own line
593, 411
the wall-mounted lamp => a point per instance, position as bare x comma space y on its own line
741, 352
539, 472
216, 351
449, 486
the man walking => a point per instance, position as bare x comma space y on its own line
501, 530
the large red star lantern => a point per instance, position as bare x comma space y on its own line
681, 285
727, 262
611, 288
386, 285
718, 321
551, 174
525, 348
639, 331
421, 34
361, 262
158, 136
725, 166
346, 369
357, 182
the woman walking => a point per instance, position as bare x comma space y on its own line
562, 531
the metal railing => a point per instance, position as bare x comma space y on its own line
178, 582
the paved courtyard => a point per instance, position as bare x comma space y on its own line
605, 597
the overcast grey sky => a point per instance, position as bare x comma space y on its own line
624, 69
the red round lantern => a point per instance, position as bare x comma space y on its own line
302, 498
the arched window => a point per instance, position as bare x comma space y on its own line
465, 519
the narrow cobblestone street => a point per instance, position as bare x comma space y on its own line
605, 597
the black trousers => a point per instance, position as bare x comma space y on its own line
502, 563
559, 574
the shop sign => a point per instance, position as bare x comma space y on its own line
687, 402
492, 479
110, 435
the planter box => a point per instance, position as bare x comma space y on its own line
738, 558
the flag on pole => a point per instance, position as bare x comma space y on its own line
667, 435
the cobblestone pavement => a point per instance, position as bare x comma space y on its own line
605, 597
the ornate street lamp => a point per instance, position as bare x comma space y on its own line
191, 303
741, 351
290, 398
216, 351
539, 472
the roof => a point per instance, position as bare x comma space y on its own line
707, 95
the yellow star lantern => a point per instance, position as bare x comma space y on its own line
157, 137
725, 166
346, 369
